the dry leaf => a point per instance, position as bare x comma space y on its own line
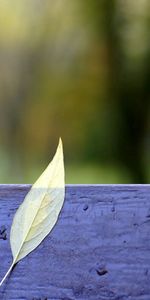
39, 211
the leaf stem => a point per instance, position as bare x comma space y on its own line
9, 270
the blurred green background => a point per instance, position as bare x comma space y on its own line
79, 70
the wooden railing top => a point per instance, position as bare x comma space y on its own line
98, 250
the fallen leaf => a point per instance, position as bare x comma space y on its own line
39, 211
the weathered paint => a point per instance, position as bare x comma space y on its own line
99, 249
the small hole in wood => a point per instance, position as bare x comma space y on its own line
85, 207
101, 272
3, 232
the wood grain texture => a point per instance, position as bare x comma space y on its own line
99, 249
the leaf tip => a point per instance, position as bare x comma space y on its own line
60, 144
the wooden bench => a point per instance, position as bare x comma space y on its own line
98, 250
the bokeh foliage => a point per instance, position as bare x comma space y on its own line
79, 70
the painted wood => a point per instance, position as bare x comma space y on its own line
99, 249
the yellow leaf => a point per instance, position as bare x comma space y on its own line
39, 211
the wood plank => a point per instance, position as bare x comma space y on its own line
99, 249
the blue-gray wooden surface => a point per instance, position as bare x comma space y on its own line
98, 250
